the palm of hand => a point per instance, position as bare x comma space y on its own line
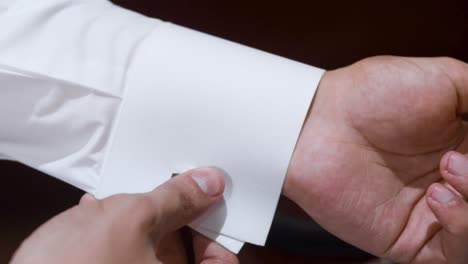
371, 148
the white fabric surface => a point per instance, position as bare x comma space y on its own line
111, 101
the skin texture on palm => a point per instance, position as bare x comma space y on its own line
371, 148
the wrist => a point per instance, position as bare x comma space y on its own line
301, 155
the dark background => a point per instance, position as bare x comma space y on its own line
325, 33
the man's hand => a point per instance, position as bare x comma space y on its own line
137, 228
366, 166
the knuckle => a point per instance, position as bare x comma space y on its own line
186, 197
186, 201
132, 207
462, 187
460, 183
187, 205
118, 201
141, 206
460, 228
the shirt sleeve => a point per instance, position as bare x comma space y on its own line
62, 65
112, 101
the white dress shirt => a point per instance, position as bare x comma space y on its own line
111, 101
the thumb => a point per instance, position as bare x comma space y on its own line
451, 210
180, 200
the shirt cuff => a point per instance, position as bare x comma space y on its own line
192, 100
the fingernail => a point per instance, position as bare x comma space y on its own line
210, 180
443, 195
458, 164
